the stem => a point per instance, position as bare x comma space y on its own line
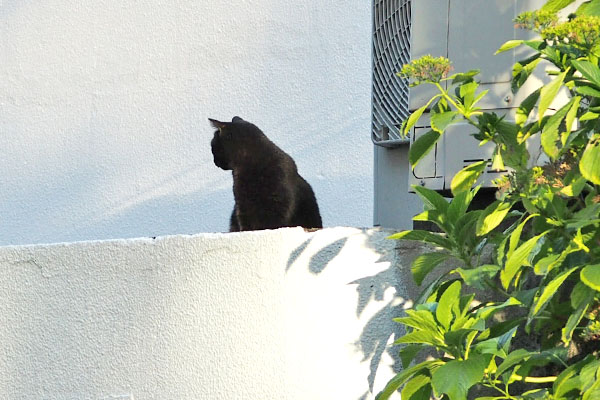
451, 101
560, 360
492, 384
533, 379
492, 285
447, 96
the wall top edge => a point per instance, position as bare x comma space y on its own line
196, 236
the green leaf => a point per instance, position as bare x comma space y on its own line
511, 44
579, 240
513, 358
522, 71
556, 5
537, 44
432, 200
423, 236
464, 306
457, 337
430, 289
593, 393
459, 204
448, 305
585, 217
456, 377
547, 263
589, 8
562, 383
581, 298
589, 377
408, 353
422, 146
515, 236
417, 388
570, 118
396, 382
414, 117
463, 76
439, 121
526, 106
463, 233
477, 277
419, 319
437, 217
467, 177
588, 116
421, 337
574, 187
590, 275
588, 91
550, 130
425, 263
589, 71
492, 216
467, 94
480, 96
502, 332
497, 161
541, 394
549, 92
589, 165
550, 290
518, 259
488, 311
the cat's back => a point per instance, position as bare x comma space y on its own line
307, 212
280, 175
277, 177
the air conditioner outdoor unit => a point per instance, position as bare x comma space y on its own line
468, 32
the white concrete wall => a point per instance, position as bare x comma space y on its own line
264, 315
104, 107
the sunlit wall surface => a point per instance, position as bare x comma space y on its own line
264, 315
104, 107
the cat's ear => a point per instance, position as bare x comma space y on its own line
237, 119
217, 124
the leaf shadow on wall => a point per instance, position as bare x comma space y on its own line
385, 291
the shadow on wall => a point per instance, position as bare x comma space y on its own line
163, 215
10, 6
372, 291
72, 211
63, 220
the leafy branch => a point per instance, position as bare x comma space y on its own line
543, 231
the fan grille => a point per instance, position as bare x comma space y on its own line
391, 50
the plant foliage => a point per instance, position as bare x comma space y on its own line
543, 230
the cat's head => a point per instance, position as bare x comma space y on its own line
234, 142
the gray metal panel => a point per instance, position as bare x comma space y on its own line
427, 167
468, 32
429, 37
460, 150
391, 50
394, 205
476, 30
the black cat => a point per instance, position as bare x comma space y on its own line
269, 193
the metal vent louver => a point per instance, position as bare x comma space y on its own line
391, 49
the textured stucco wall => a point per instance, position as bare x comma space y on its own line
280, 314
104, 106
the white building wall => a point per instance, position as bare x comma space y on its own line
281, 314
104, 107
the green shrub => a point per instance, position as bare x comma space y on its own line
543, 231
